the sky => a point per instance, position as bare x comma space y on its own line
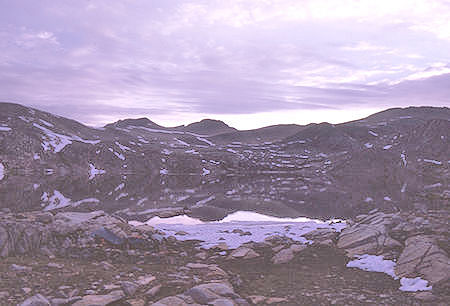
249, 63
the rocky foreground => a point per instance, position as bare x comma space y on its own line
94, 258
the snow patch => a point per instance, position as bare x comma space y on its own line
205, 172
205, 140
2, 171
432, 161
94, 171
387, 147
373, 263
373, 133
5, 129
414, 284
368, 145
259, 226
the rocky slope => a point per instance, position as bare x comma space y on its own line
396, 159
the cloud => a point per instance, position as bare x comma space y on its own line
178, 58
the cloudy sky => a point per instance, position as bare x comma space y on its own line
249, 63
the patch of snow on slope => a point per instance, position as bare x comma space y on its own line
387, 147
5, 129
205, 172
373, 133
432, 161
57, 200
368, 145
122, 147
118, 155
46, 123
414, 284
182, 142
52, 139
2, 171
373, 263
94, 171
205, 140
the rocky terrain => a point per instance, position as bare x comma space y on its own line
72, 258
396, 159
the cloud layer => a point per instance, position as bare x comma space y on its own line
177, 61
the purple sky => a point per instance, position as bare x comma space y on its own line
249, 63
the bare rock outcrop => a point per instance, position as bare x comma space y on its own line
423, 257
66, 232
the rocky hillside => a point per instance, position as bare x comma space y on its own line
396, 159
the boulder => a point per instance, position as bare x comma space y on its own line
286, 255
100, 300
423, 257
243, 253
370, 236
36, 300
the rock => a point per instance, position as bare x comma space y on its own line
153, 291
221, 246
202, 295
55, 265
135, 302
129, 288
222, 302
64, 302
243, 253
26, 290
170, 301
286, 255
369, 236
36, 300
145, 280
423, 257
18, 268
100, 300
275, 300
256, 299
4, 295
323, 236
45, 217
193, 265
201, 255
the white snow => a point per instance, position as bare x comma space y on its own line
403, 188
122, 147
403, 157
183, 143
232, 151
5, 129
118, 155
432, 161
433, 186
94, 171
57, 200
36, 156
260, 226
163, 171
204, 201
387, 198
46, 123
373, 263
59, 141
2, 171
387, 147
368, 145
373, 133
205, 140
414, 284
205, 171
119, 187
